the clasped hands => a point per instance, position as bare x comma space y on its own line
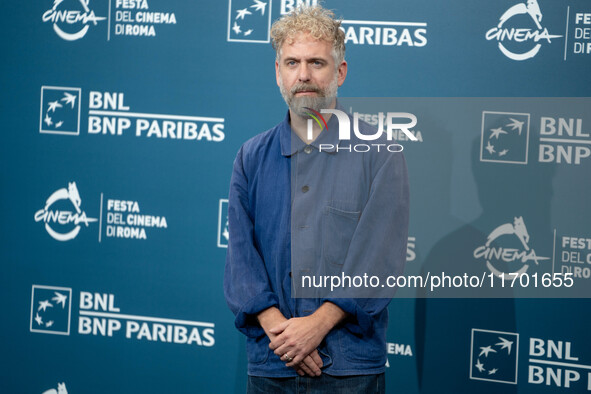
295, 342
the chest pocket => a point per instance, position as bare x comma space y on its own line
338, 227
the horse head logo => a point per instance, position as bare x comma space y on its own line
61, 389
74, 196
521, 231
532, 8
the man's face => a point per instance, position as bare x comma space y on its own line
307, 75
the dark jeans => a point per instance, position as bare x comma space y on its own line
322, 384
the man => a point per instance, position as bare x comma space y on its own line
299, 205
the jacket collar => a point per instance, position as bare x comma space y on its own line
291, 143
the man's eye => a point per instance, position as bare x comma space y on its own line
291, 63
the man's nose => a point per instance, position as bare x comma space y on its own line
304, 73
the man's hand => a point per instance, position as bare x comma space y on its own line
311, 364
298, 337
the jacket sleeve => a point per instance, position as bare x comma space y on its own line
246, 283
378, 246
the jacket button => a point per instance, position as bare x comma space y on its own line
305, 189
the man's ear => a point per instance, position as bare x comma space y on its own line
277, 75
341, 73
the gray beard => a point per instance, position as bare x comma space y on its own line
298, 104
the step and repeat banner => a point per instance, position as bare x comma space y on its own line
120, 123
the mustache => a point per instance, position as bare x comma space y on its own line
305, 87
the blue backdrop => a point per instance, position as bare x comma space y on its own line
120, 123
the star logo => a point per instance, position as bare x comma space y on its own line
240, 14
236, 28
505, 344
53, 105
51, 310
491, 358
249, 21
60, 299
479, 366
69, 99
504, 137
60, 110
486, 351
259, 6
43, 305
515, 125
47, 120
496, 132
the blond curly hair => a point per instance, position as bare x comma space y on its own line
317, 21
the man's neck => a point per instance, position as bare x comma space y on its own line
299, 126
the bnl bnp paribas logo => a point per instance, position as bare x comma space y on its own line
504, 137
519, 32
562, 139
51, 309
108, 114
98, 315
60, 110
249, 21
507, 252
553, 363
63, 215
71, 19
494, 356
223, 229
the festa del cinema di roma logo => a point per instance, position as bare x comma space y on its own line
503, 256
71, 19
62, 224
63, 217
524, 42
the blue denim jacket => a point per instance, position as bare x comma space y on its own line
258, 273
